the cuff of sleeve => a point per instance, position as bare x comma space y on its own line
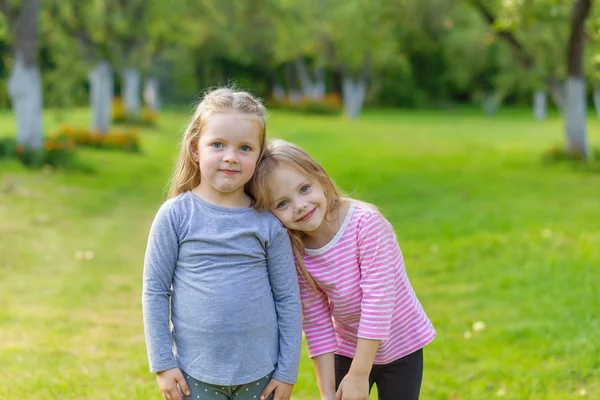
290, 380
163, 366
373, 335
329, 349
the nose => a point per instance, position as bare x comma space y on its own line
230, 156
300, 206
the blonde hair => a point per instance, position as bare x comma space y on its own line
278, 153
187, 173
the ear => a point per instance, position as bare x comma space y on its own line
194, 150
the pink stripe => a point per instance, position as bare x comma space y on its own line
369, 291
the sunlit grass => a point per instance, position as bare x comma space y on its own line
488, 231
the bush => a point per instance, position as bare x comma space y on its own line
126, 140
560, 154
55, 152
119, 114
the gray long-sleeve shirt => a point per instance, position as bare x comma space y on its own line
227, 278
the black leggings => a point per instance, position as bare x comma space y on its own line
398, 380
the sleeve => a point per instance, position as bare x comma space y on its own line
159, 263
317, 322
379, 253
284, 284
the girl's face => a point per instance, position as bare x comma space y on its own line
298, 202
227, 153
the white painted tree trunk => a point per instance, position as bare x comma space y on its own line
101, 94
25, 91
131, 90
575, 116
278, 92
152, 93
492, 103
312, 88
597, 101
353, 93
295, 96
319, 89
540, 109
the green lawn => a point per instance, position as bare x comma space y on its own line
489, 233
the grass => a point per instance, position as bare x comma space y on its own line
488, 231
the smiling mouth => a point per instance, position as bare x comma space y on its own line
307, 215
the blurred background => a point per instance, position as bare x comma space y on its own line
472, 124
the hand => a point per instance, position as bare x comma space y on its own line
168, 381
353, 387
280, 390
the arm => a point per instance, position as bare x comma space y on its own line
364, 357
379, 254
355, 384
325, 371
377, 249
159, 263
320, 336
284, 284
317, 321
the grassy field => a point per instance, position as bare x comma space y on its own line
489, 233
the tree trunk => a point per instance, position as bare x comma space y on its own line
319, 88
354, 91
101, 94
575, 115
311, 88
152, 93
131, 90
291, 79
305, 80
575, 108
25, 91
278, 92
540, 109
24, 83
492, 102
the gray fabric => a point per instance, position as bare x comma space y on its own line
205, 391
228, 278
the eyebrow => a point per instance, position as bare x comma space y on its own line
243, 143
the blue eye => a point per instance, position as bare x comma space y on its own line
304, 188
245, 148
282, 204
218, 145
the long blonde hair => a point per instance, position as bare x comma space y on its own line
282, 153
187, 173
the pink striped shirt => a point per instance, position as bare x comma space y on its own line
363, 292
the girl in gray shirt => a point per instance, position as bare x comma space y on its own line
219, 272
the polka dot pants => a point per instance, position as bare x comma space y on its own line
206, 391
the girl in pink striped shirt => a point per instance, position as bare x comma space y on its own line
362, 320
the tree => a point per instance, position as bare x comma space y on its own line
130, 43
570, 95
575, 107
86, 24
25, 86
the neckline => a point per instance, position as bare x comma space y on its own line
219, 208
336, 238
